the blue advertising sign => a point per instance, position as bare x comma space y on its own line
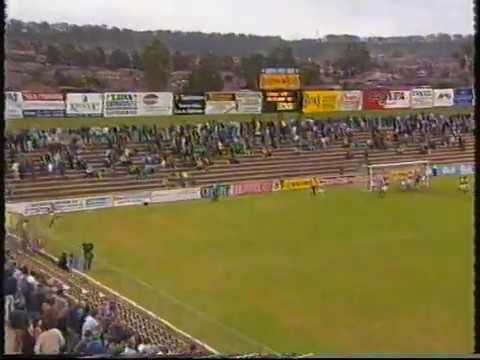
463, 97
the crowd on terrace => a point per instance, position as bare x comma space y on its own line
198, 145
41, 317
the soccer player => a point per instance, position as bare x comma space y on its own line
464, 184
403, 183
383, 186
53, 215
314, 185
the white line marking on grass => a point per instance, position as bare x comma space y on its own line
131, 302
173, 299
192, 310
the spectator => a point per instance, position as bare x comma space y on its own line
50, 341
90, 323
19, 322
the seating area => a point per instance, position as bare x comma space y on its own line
286, 161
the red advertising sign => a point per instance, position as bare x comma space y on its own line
374, 99
254, 187
33, 96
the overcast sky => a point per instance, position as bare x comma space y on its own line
290, 19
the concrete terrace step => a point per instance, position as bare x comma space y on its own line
264, 164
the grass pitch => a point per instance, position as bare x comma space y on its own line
288, 272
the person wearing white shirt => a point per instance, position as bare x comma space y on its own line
90, 324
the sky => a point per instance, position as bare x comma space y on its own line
286, 18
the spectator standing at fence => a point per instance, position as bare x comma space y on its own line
87, 255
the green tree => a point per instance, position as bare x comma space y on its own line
156, 61
310, 73
206, 77
251, 68
355, 58
137, 61
281, 56
97, 56
119, 59
54, 55
69, 54
182, 62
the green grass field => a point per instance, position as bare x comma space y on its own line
288, 272
46, 123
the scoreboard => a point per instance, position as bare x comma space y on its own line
281, 100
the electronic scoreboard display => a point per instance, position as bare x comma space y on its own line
282, 100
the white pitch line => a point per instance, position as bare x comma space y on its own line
177, 301
193, 310
131, 302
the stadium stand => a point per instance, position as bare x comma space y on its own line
306, 148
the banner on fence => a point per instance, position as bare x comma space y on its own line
374, 99
251, 187
84, 104
321, 101
155, 103
131, 199
338, 180
454, 170
98, 202
249, 102
188, 104
276, 185
13, 105
443, 97
208, 191
279, 101
68, 205
120, 104
221, 103
279, 82
421, 98
466, 169
221, 107
463, 97
296, 184
161, 196
37, 104
38, 208
397, 99
351, 100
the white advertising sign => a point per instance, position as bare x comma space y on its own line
443, 97
221, 107
421, 98
397, 99
249, 102
85, 104
13, 105
155, 103
120, 104
175, 195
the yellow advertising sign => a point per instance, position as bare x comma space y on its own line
321, 101
398, 175
279, 81
297, 184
